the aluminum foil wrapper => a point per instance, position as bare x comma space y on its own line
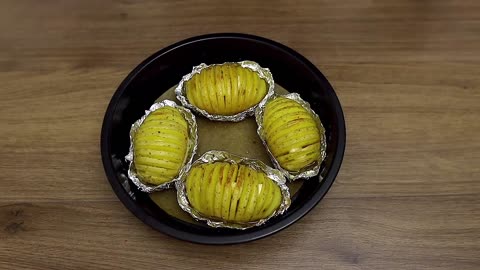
308, 171
222, 156
191, 147
264, 73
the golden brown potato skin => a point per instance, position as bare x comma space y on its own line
160, 146
225, 89
232, 192
292, 135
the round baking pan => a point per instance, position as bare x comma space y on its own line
162, 71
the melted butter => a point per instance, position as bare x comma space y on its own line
237, 138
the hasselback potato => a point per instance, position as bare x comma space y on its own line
226, 89
291, 133
160, 146
234, 193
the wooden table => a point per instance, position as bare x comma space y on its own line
407, 74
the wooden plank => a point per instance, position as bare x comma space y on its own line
435, 232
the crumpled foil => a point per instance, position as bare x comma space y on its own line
310, 170
222, 156
264, 73
191, 147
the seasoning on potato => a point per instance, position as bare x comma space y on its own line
163, 143
225, 92
230, 191
293, 134
160, 146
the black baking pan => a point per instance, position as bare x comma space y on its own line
163, 70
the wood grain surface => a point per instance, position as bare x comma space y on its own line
407, 74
